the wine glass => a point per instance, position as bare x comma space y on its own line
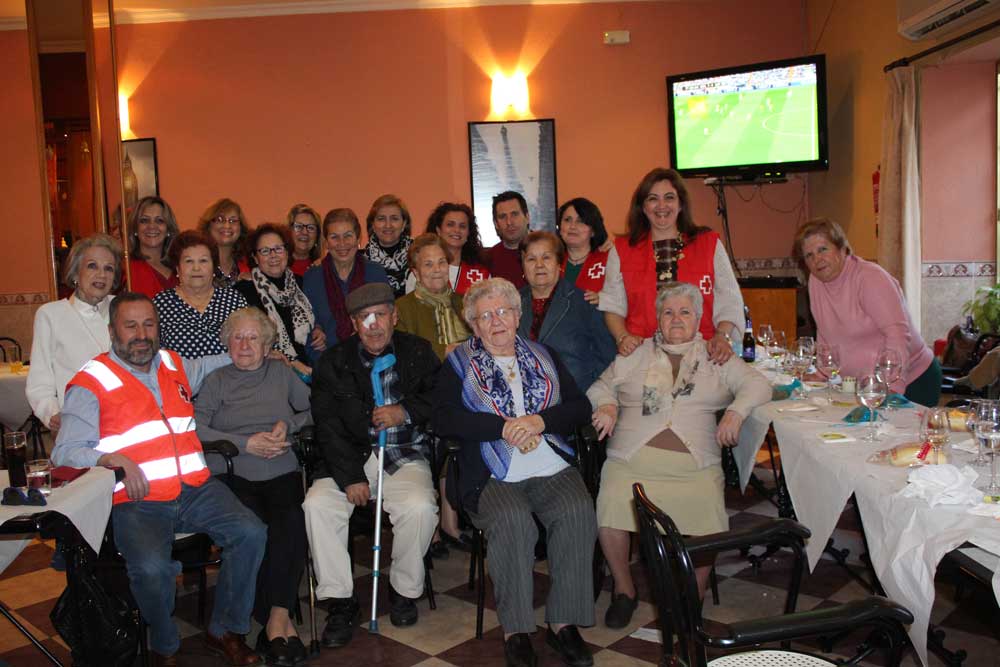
828, 363
934, 429
800, 363
807, 344
988, 430
778, 345
871, 392
888, 367
765, 335
975, 406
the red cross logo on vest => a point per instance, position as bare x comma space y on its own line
474, 275
596, 271
706, 284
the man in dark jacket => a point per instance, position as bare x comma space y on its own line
347, 430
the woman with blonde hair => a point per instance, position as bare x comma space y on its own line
389, 239
151, 228
304, 223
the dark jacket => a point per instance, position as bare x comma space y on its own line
342, 402
573, 328
314, 287
454, 421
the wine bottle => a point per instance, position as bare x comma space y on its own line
749, 346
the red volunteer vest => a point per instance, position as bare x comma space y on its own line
591, 276
639, 274
469, 275
163, 443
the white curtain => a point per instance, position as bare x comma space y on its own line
899, 187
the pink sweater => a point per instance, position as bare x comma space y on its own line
862, 311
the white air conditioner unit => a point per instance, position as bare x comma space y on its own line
923, 19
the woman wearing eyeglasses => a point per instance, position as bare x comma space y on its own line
272, 288
225, 223
304, 222
151, 228
512, 404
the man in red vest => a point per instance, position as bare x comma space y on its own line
511, 219
131, 408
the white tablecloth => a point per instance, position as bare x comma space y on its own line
906, 537
86, 502
14, 408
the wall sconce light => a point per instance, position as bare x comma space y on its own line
509, 92
123, 119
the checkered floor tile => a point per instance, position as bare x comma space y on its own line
446, 636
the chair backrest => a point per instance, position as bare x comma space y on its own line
672, 579
12, 344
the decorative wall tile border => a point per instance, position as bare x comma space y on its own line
767, 264
28, 299
958, 269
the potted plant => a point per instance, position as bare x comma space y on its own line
984, 308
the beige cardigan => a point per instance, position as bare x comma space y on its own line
734, 386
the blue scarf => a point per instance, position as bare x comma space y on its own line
485, 389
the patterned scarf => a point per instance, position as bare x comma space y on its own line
335, 296
485, 389
271, 296
450, 327
660, 382
393, 260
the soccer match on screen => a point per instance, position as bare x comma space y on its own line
759, 117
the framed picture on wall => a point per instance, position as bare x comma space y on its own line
139, 172
517, 155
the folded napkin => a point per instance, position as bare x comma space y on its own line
898, 401
782, 391
65, 474
943, 484
860, 415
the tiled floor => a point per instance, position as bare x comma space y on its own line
445, 636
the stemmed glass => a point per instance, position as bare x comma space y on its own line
807, 344
800, 363
888, 367
871, 392
828, 363
765, 336
934, 429
988, 430
971, 419
778, 345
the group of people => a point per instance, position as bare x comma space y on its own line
509, 351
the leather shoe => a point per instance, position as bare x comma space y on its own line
344, 613
232, 648
569, 645
274, 651
297, 650
518, 651
157, 660
402, 610
620, 611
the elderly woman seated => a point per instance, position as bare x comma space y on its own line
257, 403
659, 406
512, 404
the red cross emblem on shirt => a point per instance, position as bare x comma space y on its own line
474, 275
596, 271
706, 284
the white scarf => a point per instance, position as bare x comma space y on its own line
660, 388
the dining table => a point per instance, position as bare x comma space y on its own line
906, 536
14, 408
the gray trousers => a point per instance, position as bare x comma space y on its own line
563, 505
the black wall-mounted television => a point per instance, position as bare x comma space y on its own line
749, 122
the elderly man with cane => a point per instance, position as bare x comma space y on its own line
349, 423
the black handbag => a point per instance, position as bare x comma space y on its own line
99, 628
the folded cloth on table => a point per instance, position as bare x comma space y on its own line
859, 415
943, 484
65, 474
898, 401
780, 392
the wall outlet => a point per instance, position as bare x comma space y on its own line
616, 37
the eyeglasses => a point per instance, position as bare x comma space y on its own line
300, 227
502, 313
222, 220
277, 250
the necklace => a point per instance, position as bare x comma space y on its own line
510, 369
667, 253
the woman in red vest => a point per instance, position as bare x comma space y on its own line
581, 227
456, 225
664, 245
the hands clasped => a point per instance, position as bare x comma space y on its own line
269, 445
525, 433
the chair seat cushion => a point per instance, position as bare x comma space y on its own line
770, 658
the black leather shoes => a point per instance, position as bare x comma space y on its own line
297, 651
402, 610
274, 651
518, 651
620, 611
344, 613
569, 645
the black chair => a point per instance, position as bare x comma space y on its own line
672, 578
14, 344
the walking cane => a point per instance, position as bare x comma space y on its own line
381, 364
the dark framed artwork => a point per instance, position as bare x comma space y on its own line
517, 155
139, 171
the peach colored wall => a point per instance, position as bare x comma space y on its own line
21, 214
958, 161
335, 109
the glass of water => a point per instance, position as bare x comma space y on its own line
971, 417
870, 392
39, 473
988, 432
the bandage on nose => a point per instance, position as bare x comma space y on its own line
369, 321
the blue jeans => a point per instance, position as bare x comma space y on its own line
144, 534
